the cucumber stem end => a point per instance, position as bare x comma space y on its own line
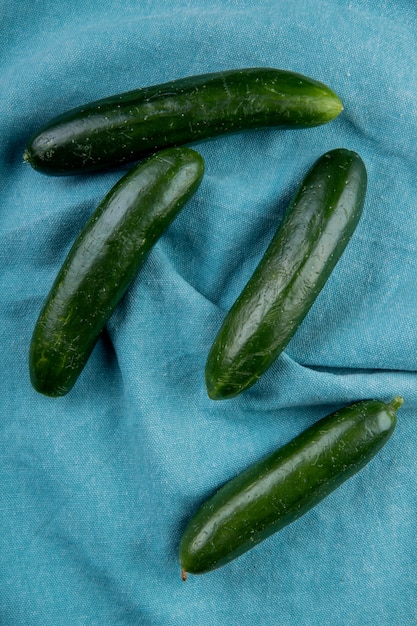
396, 403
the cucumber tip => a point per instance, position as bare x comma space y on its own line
396, 403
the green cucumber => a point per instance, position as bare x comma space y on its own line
125, 127
103, 261
285, 485
301, 256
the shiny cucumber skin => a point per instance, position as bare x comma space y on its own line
103, 261
126, 127
285, 485
301, 256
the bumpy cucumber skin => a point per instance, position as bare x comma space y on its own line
285, 485
126, 127
103, 261
301, 256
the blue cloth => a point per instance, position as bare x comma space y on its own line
97, 486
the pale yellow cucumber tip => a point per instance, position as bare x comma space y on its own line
396, 402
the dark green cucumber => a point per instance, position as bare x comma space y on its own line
125, 127
286, 484
103, 261
301, 256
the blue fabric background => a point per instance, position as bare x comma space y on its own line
96, 487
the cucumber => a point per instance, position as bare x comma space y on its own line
306, 247
285, 485
103, 261
125, 127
